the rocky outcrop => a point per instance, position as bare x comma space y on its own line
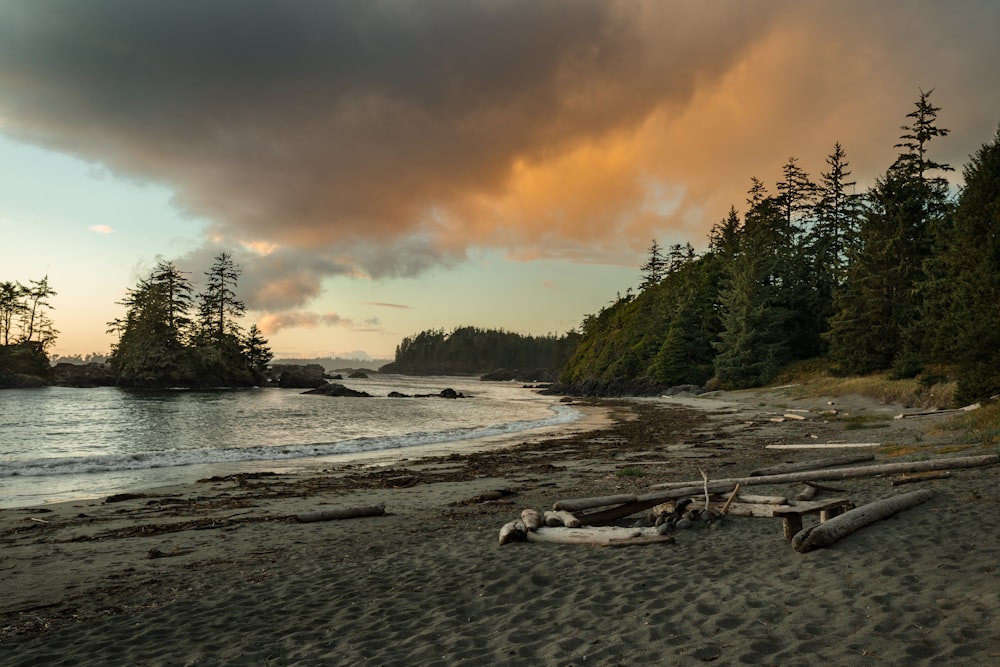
294, 376
358, 375
335, 389
83, 375
11, 380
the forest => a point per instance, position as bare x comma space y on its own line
902, 278
471, 350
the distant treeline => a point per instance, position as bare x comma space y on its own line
470, 350
903, 278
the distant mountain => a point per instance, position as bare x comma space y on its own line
337, 363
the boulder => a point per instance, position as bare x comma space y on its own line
396, 394
334, 389
358, 375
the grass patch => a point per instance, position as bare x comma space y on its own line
629, 471
982, 425
931, 389
893, 451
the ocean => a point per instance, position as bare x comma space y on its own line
61, 443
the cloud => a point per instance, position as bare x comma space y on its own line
386, 139
382, 304
272, 323
101, 229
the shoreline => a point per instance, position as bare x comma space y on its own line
30, 490
216, 572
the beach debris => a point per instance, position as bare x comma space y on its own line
486, 497
806, 493
838, 527
340, 513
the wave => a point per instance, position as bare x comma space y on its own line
562, 414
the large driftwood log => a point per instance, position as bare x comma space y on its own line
531, 519
818, 464
825, 534
340, 513
847, 473
578, 504
599, 535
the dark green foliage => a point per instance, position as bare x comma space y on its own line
663, 335
470, 350
878, 320
970, 289
160, 346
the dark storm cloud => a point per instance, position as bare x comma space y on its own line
309, 124
385, 138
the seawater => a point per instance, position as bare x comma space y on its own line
60, 443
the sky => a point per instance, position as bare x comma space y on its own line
381, 168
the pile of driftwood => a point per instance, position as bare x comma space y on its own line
723, 497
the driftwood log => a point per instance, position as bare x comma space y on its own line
922, 477
842, 473
340, 513
817, 464
531, 519
599, 535
825, 534
579, 504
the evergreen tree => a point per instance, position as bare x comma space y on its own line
833, 237
151, 350
11, 308
36, 326
256, 350
756, 337
219, 310
877, 323
654, 268
971, 292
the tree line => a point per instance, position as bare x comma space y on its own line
170, 336
471, 350
903, 277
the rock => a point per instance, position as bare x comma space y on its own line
334, 389
450, 393
356, 375
396, 394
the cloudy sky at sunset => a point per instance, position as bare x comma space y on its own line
380, 168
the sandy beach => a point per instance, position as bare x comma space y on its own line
220, 572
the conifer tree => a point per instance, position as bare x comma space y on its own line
654, 268
877, 323
756, 337
971, 290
